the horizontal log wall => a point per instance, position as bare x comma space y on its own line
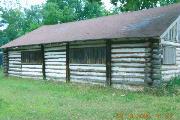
55, 62
88, 73
131, 62
19, 69
14, 63
5, 62
31, 70
170, 71
93, 73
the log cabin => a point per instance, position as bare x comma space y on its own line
140, 48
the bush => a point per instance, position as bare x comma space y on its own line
172, 85
167, 88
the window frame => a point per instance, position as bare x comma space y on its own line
32, 53
87, 55
164, 61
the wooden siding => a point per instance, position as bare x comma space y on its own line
131, 62
14, 63
16, 68
88, 73
55, 62
5, 62
156, 63
93, 73
32, 71
169, 71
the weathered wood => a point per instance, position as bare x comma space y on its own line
55, 61
89, 78
133, 55
131, 50
122, 82
84, 43
131, 45
5, 62
86, 46
32, 77
169, 71
32, 66
148, 70
131, 62
67, 63
88, 68
32, 71
108, 62
88, 72
14, 63
56, 48
92, 81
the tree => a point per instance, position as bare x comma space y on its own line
14, 17
62, 11
33, 18
93, 10
51, 13
20, 22
134, 5
166, 2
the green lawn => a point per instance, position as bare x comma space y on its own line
24, 99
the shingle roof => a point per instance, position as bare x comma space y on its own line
145, 23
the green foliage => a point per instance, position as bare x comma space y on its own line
92, 10
172, 85
51, 13
14, 17
134, 5
19, 22
72, 10
167, 2
33, 18
169, 88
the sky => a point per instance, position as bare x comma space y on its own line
28, 3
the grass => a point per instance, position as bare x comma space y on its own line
25, 99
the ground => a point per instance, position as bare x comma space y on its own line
25, 99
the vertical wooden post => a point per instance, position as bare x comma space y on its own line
43, 62
67, 63
5, 62
150, 82
108, 62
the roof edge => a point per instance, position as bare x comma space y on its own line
123, 38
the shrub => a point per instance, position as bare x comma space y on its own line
165, 88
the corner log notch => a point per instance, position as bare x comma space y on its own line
108, 62
67, 64
5, 62
43, 62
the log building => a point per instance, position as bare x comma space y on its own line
134, 48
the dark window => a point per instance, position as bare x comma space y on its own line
31, 57
91, 55
169, 55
